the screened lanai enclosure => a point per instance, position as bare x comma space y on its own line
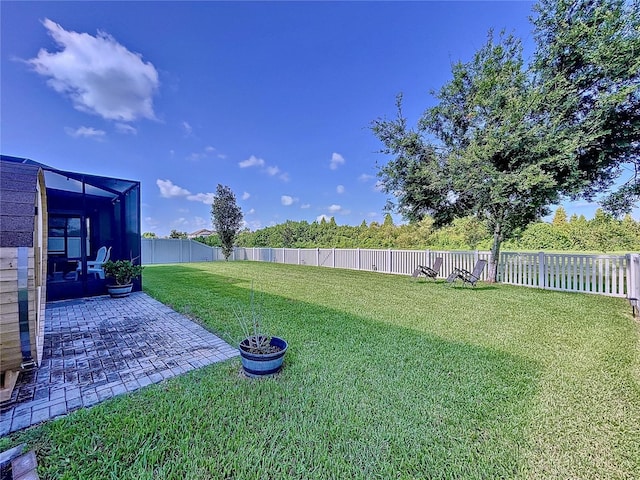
88, 216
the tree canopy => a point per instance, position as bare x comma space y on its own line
177, 234
226, 217
603, 233
587, 69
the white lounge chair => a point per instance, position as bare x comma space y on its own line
95, 266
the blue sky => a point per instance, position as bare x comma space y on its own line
273, 99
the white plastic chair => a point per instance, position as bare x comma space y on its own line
95, 266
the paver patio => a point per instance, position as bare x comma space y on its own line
97, 348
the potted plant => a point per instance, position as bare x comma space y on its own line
123, 272
261, 354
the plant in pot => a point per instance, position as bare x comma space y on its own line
123, 272
261, 354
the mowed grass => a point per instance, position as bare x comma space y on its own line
385, 377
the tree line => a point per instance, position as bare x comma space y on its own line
603, 233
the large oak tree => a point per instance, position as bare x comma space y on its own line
506, 141
478, 152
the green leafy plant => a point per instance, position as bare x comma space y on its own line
122, 271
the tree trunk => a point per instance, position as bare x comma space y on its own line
494, 259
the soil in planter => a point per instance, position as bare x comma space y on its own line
261, 351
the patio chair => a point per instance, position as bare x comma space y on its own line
95, 266
429, 272
466, 276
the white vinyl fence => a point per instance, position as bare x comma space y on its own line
613, 275
177, 250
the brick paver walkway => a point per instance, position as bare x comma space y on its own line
96, 348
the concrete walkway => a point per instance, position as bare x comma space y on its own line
97, 348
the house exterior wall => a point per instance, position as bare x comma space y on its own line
23, 217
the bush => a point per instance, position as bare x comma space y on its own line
123, 271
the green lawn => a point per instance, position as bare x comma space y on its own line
385, 377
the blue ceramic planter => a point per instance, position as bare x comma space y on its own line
263, 365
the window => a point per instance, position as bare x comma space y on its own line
65, 237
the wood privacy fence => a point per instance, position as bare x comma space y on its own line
613, 275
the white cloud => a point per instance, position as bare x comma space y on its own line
99, 75
151, 224
126, 129
188, 130
379, 186
334, 208
253, 225
251, 211
323, 216
169, 190
340, 189
286, 200
206, 198
200, 222
305, 205
284, 177
272, 171
180, 222
195, 156
246, 195
365, 177
252, 161
86, 132
336, 161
